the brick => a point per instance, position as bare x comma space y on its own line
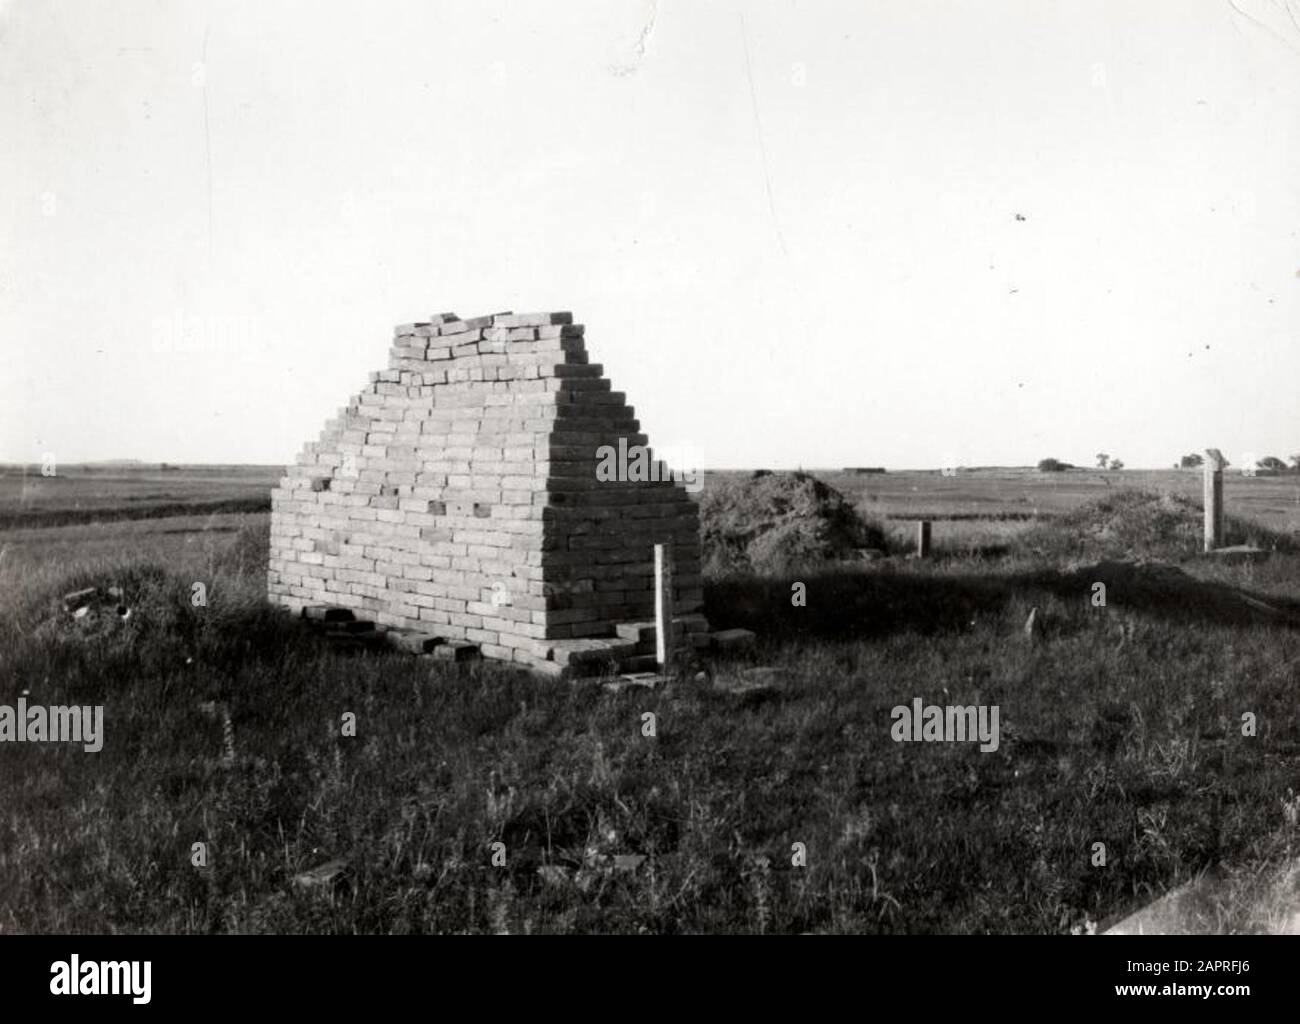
465, 469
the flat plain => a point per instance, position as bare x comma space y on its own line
1122, 725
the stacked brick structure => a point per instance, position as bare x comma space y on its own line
458, 496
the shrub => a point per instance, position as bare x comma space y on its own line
1053, 466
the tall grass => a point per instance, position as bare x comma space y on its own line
223, 723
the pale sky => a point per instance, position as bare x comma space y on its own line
790, 227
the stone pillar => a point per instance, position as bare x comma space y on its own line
923, 538
1214, 463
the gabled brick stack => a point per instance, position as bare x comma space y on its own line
458, 496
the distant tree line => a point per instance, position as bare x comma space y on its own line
1104, 461
1269, 465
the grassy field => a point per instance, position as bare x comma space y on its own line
981, 511
107, 493
1120, 725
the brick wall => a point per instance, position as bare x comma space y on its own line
458, 494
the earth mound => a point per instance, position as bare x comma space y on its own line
1134, 523
772, 522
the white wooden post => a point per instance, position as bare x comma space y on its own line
923, 538
663, 605
1213, 499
